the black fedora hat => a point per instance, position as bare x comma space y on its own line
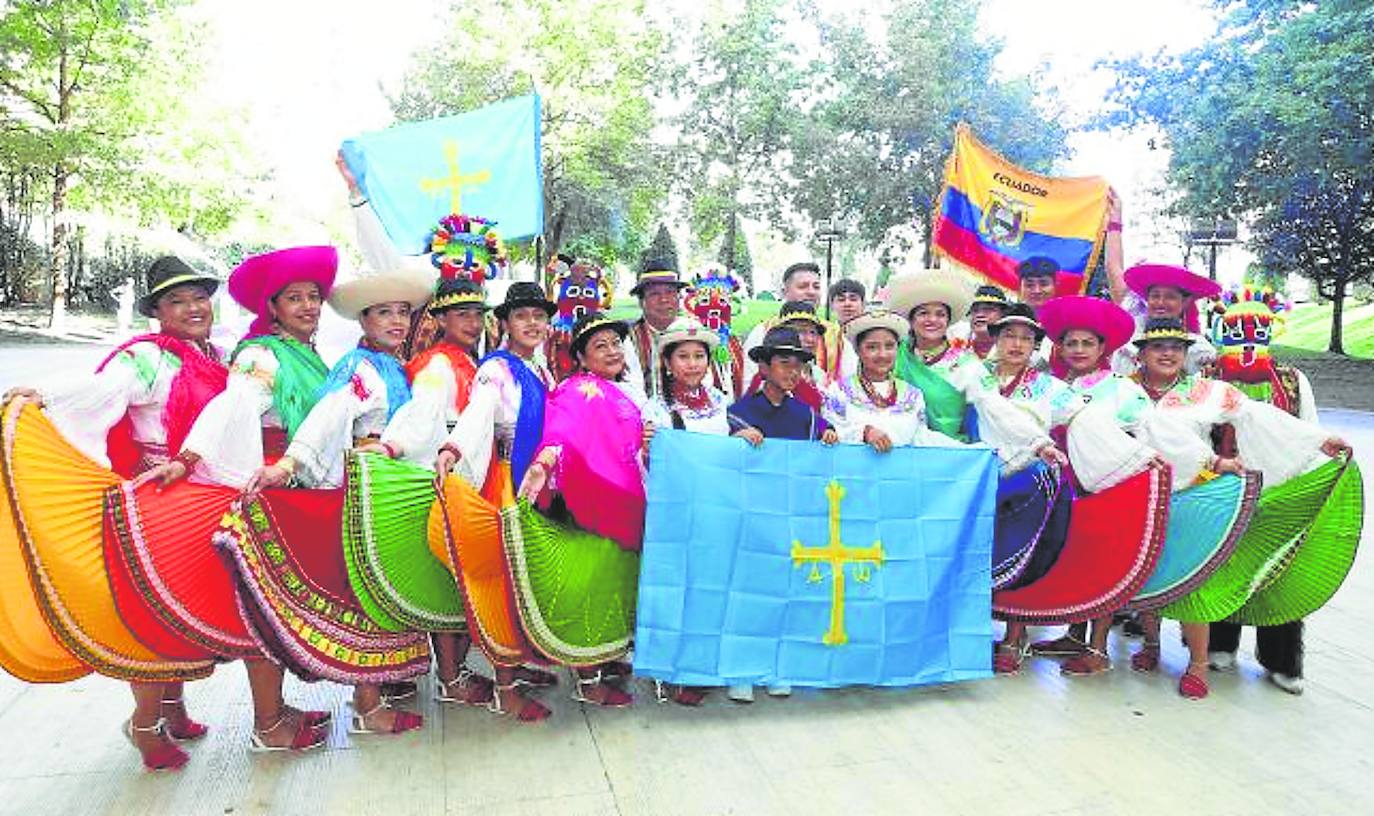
1159, 329
167, 273
802, 310
780, 340
591, 323
657, 270
525, 293
1018, 314
988, 295
454, 293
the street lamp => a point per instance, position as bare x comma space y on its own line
1209, 233
828, 230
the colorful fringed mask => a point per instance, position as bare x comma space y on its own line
1247, 320
578, 288
713, 296
465, 246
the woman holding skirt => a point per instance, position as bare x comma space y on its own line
1278, 445
361, 393
275, 375
133, 414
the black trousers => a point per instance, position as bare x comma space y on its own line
1278, 648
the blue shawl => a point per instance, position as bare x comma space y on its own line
529, 422
397, 387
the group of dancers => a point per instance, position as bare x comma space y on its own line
366, 523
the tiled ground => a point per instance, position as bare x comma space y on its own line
1035, 744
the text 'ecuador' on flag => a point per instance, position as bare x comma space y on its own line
801, 564
482, 163
991, 215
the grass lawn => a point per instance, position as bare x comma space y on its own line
755, 312
1309, 328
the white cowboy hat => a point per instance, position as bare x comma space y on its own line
911, 289
685, 328
876, 319
352, 296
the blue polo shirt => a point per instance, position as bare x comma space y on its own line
793, 419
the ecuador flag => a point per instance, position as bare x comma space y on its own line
992, 215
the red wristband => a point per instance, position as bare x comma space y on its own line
1113, 226
451, 448
390, 451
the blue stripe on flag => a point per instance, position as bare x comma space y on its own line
1070, 253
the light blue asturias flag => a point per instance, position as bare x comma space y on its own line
484, 163
801, 564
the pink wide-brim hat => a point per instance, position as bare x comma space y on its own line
1141, 277
1101, 317
259, 278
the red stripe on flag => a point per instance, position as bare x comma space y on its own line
963, 246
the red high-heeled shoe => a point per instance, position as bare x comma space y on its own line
305, 738
611, 697
314, 719
187, 729
1192, 687
165, 757
403, 721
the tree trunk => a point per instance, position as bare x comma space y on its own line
1337, 345
727, 247
924, 227
554, 242
57, 263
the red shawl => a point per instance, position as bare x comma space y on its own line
200, 378
464, 370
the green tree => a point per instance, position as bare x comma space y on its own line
734, 252
873, 151
594, 63
1272, 121
739, 85
97, 93
663, 246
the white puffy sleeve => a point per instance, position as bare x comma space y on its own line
419, 427
1177, 441
86, 407
1201, 354
1269, 439
1101, 451
1016, 434
845, 417
327, 433
228, 433
378, 251
656, 412
474, 435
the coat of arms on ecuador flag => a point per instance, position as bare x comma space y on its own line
796, 563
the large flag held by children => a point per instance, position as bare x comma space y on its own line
485, 163
991, 215
815, 566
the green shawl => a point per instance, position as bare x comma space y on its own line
945, 405
300, 373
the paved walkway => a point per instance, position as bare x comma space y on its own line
1121, 743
